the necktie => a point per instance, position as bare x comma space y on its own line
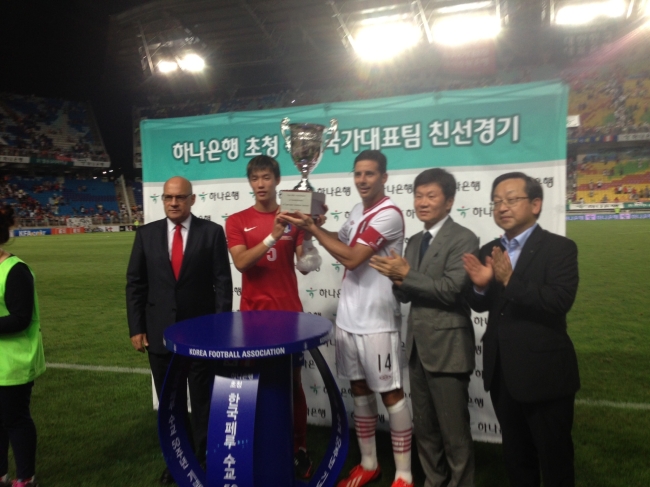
177, 251
424, 245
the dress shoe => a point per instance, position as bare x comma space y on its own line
166, 478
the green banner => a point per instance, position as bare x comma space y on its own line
54, 162
488, 126
636, 206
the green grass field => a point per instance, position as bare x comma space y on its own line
97, 429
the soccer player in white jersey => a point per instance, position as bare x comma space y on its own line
368, 345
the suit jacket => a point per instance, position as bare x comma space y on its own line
439, 322
155, 300
527, 327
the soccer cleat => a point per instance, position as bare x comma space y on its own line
358, 477
303, 464
400, 482
25, 483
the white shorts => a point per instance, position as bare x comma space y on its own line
376, 357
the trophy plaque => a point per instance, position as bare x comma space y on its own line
305, 142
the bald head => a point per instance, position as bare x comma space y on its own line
178, 182
178, 199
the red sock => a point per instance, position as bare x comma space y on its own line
299, 417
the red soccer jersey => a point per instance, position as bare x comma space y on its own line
271, 284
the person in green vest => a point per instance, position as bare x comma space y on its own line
21, 361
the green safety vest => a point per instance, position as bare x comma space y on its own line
21, 354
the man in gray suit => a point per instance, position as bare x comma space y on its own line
440, 335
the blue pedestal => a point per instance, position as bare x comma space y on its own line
250, 437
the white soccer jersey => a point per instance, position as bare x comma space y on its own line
367, 304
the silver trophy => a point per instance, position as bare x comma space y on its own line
305, 142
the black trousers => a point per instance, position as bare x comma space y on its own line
200, 380
17, 428
535, 436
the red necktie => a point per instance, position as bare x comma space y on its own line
177, 251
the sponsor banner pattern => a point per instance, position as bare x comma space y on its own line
320, 290
59, 161
594, 206
89, 163
33, 232
620, 216
56, 162
488, 126
14, 159
633, 137
81, 221
68, 230
608, 206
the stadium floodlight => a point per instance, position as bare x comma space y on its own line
192, 62
381, 41
464, 7
455, 30
586, 13
167, 66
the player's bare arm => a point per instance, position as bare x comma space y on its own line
350, 257
245, 258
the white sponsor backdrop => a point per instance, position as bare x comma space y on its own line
319, 290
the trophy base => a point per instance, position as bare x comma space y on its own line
306, 202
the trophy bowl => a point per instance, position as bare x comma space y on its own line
305, 142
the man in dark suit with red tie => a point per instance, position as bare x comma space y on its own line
528, 280
179, 269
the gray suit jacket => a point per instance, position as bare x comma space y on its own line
439, 322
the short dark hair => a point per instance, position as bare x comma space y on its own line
6, 222
444, 179
533, 188
373, 155
260, 163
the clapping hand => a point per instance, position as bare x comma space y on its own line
395, 267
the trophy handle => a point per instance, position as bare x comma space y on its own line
329, 133
286, 133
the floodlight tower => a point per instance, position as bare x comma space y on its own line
167, 46
379, 33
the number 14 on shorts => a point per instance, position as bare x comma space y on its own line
385, 362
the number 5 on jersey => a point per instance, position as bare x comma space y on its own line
272, 254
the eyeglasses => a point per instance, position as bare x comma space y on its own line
508, 202
168, 198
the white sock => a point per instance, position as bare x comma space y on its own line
365, 424
401, 432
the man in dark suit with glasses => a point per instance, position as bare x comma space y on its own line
179, 269
528, 280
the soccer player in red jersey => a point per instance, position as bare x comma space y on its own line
263, 249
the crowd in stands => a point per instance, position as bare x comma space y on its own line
612, 98
410, 83
610, 177
608, 103
48, 128
52, 201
